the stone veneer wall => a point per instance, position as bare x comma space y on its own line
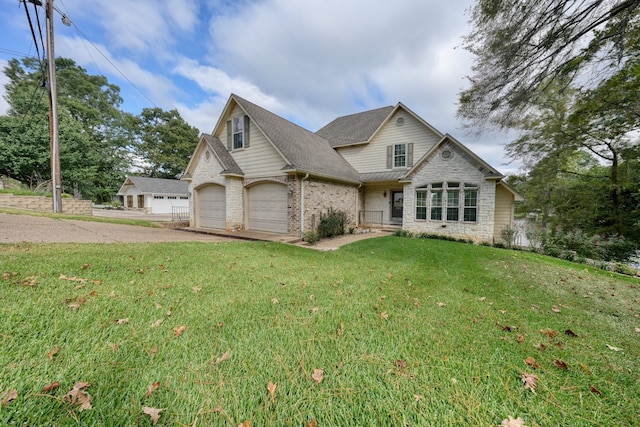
45, 204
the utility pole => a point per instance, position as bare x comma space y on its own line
56, 178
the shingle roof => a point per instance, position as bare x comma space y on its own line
302, 149
382, 176
159, 185
224, 157
354, 128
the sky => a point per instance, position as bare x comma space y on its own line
309, 61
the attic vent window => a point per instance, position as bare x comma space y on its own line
446, 154
207, 155
399, 121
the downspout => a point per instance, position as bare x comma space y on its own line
358, 205
302, 205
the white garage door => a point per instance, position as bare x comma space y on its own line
268, 207
212, 207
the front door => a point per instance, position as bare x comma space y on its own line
397, 201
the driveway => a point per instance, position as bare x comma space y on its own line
27, 228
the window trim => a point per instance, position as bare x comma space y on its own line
433, 202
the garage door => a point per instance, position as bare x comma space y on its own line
268, 207
212, 207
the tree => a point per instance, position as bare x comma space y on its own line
164, 142
520, 46
93, 153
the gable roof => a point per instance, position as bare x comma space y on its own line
483, 167
302, 150
360, 128
354, 128
228, 163
156, 185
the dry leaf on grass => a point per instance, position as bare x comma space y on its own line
247, 423
595, 390
151, 388
318, 375
154, 413
225, 356
384, 315
401, 364
570, 333
512, 422
530, 381
584, 368
52, 353
156, 323
520, 338
272, 391
555, 309
79, 396
196, 289
340, 330
560, 364
549, 332
122, 321
531, 361
610, 347
178, 330
441, 304
54, 385
312, 423
9, 396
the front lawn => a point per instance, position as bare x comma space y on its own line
386, 331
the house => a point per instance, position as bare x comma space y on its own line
154, 195
385, 167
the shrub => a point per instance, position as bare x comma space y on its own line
310, 237
332, 224
403, 233
508, 235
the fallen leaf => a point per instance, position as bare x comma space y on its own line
225, 356
417, 397
112, 294
531, 361
595, 390
9, 396
274, 300
555, 309
401, 364
384, 315
151, 388
79, 396
7, 275
178, 330
637, 330
454, 381
314, 310
313, 423
520, 338
86, 266
114, 346
610, 347
530, 381
549, 332
503, 311
54, 385
318, 375
272, 391
156, 323
158, 305
340, 330
170, 312
73, 279
482, 298
570, 333
441, 304
507, 328
540, 346
153, 352
196, 289
512, 422
52, 353
154, 413
122, 321
560, 364
247, 423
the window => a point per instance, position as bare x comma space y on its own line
184, 198
436, 205
399, 155
238, 132
453, 204
446, 200
421, 204
172, 197
470, 204
158, 197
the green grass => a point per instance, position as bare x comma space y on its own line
359, 314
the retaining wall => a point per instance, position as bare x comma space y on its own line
45, 204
